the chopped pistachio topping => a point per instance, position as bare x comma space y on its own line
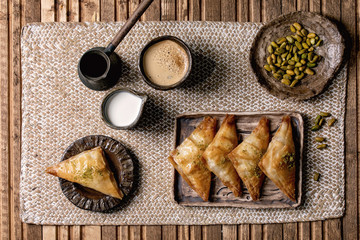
288, 160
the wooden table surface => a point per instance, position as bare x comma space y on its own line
14, 14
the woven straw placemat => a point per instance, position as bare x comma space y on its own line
58, 109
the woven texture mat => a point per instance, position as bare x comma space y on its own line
58, 109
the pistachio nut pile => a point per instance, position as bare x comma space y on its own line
293, 57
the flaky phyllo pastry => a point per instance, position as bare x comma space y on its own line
278, 163
215, 156
187, 157
89, 169
247, 155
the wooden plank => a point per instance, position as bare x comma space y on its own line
228, 10
183, 232
211, 232
290, 231
350, 222
194, 10
75, 232
210, 10
316, 230
288, 6
121, 12
168, 13
63, 232
182, 10
48, 15
108, 232
271, 9
123, 233
169, 232
304, 231
229, 232
31, 12
195, 232
255, 10
91, 233
273, 231
303, 227
332, 229
168, 10
303, 5
48, 233
90, 10
107, 13
133, 5
151, 232
32, 231
244, 232
47, 11
135, 232
315, 5
4, 140
73, 13
15, 24
256, 231
331, 8
61, 10
153, 12
243, 10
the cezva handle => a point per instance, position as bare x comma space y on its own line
128, 25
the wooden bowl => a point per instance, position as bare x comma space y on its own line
332, 52
120, 163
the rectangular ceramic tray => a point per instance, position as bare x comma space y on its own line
271, 196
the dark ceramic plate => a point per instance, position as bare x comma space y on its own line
120, 163
332, 51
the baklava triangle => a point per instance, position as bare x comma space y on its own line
89, 169
246, 156
279, 163
215, 156
187, 157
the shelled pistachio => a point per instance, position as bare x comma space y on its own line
316, 176
294, 55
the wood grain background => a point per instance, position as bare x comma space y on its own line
14, 14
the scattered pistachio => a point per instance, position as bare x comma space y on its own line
316, 176
331, 122
319, 139
325, 114
321, 122
321, 146
317, 119
315, 128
